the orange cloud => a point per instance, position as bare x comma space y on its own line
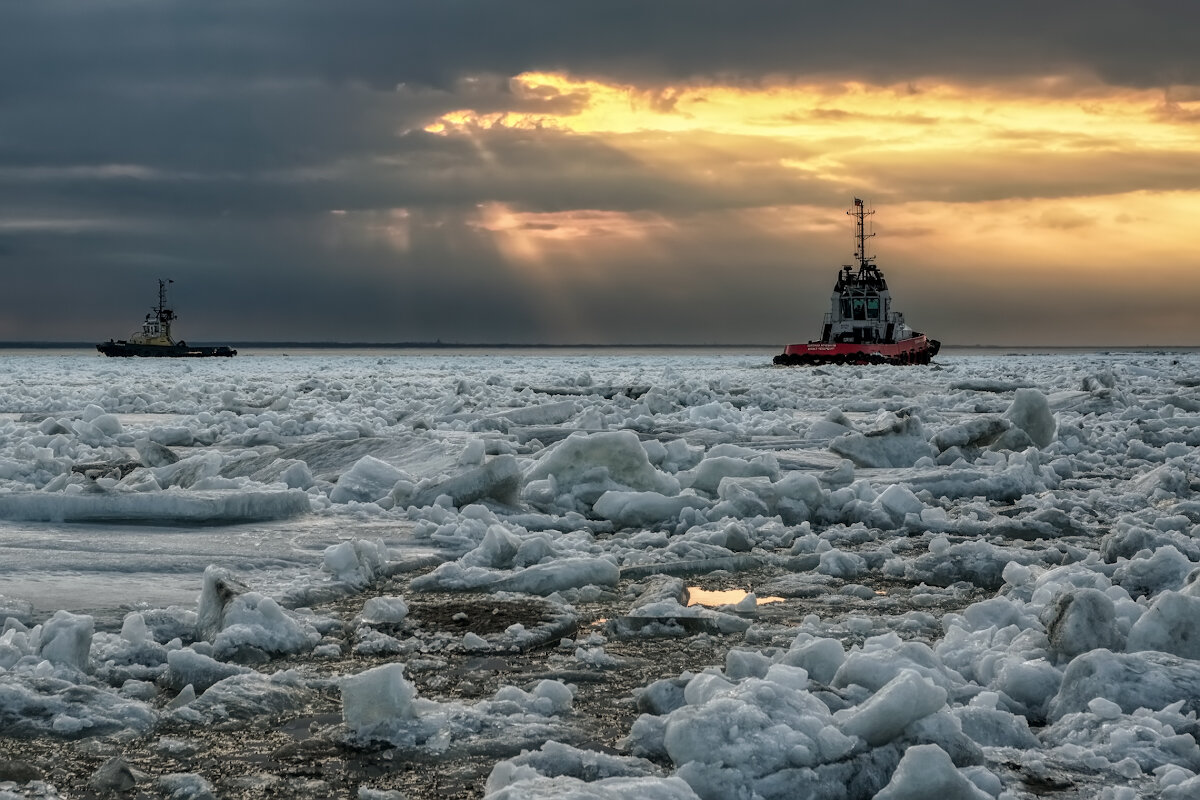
902, 117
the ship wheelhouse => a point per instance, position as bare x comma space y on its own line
861, 305
151, 329
861, 309
156, 328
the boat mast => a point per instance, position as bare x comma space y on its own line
860, 235
164, 314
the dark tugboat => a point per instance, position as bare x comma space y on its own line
154, 339
862, 328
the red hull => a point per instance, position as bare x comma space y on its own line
917, 350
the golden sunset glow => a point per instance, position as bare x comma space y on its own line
544, 239
1055, 113
821, 129
969, 139
1036, 182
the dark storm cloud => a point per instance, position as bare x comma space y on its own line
450, 284
382, 42
532, 170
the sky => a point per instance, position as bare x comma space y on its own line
675, 171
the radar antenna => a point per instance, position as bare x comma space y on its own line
163, 314
860, 213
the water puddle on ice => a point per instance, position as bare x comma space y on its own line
724, 597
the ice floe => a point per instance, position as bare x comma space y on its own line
988, 568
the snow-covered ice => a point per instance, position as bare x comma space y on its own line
473, 575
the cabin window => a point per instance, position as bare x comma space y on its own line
860, 308
845, 308
872, 308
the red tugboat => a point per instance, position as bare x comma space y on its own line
154, 339
861, 327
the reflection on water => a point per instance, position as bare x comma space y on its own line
108, 569
726, 597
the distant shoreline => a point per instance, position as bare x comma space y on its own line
585, 346
396, 345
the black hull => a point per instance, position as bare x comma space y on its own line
126, 350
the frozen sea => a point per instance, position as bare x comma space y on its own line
641, 573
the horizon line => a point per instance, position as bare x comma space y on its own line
440, 345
